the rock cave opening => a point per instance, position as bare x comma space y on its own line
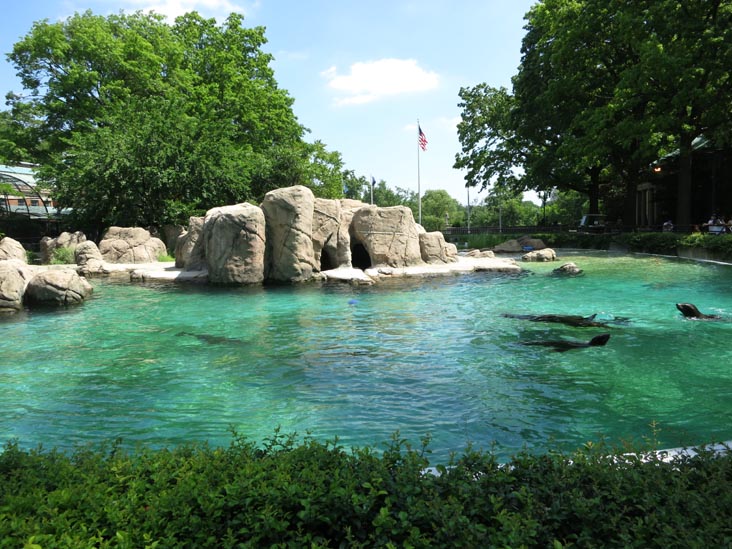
326, 261
360, 258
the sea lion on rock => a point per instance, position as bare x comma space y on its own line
570, 320
689, 310
562, 345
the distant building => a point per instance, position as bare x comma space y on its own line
19, 194
711, 191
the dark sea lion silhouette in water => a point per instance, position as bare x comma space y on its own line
562, 345
689, 310
570, 320
213, 339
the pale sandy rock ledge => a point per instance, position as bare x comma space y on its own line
463, 265
167, 271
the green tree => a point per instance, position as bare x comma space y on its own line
566, 208
325, 171
354, 187
685, 61
385, 196
603, 89
18, 130
490, 147
139, 122
439, 210
568, 87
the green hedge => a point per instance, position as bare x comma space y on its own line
301, 493
647, 242
553, 240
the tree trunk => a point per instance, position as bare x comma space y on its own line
593, 192
683, 199
630, 203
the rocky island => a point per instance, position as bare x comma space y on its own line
292, 237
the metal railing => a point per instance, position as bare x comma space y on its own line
521, 229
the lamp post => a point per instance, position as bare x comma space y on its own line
467, 187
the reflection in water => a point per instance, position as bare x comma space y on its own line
168, 364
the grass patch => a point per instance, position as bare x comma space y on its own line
62, 256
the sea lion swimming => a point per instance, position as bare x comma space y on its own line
570, 320
562, 345
689, 310
213, 339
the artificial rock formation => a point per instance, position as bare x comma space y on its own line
88, 259
189, 253
569, 269
57, 287
480, 253
294, 236
547, 254
389, 235
289, 216
14, 276
234, 239
434, 249
131, 245
12, 249
64, 240
524, 243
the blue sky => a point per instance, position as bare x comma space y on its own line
361, 73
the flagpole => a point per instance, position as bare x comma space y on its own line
419, 193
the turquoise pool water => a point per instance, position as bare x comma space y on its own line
165, 364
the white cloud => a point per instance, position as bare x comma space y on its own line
174, 8
373, 80
451, 123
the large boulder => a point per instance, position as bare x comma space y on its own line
169, 234
289, 216
547, 254
389, 235
234, 240
64, 240
434, 249
14, 277
480, 253
88, 259
522, 244
12, 249
331, 231
326, 230
189, 249
57, 287
568, 269
511, 246
131, 245
529, 243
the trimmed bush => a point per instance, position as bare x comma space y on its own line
291, 493
719, 245
663, 243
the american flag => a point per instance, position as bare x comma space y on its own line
421, 139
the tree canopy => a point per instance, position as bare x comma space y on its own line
603, 90
137, 121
